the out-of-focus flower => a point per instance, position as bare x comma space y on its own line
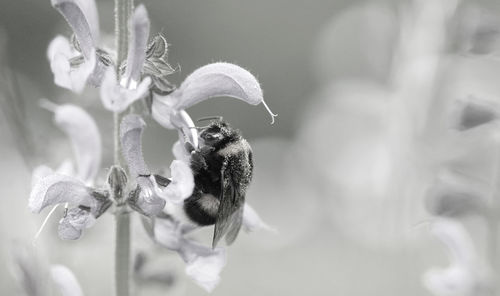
478, 31
65, 280
473, 112
72, 188
37, 277
203, 264
374, 165
117, 96
455, 195
85, 139
465, 276
79, 61
466, 179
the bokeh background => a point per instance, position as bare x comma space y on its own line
365, 92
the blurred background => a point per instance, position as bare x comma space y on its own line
375, 140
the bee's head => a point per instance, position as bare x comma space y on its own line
219, 133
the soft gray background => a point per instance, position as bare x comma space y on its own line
296, 49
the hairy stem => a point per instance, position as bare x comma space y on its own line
123, 9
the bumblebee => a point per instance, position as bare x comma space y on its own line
222, 169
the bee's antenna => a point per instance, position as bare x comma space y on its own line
199, 127
209, 118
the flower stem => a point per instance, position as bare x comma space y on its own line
123, 9
122, 253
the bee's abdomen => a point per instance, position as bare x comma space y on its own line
201, 210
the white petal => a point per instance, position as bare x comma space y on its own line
162, 110
138, 42
453, 234
40, 172
131, 129
180, 152
54, 189
89, 9
252, 221
65, 280
59, 53
116, 98
76, 18
218, 80
80, 75
85, 138
182, 184
204, 264
465, 272
66, 168
71, 226
59, 45
454, 280
148, 202
75, 79
168, 233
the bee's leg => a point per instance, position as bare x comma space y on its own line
189, 147
198, 161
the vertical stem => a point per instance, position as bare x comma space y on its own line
122, 254
123, 9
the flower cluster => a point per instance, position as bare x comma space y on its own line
79, 61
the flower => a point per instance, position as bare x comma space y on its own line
168, 224
203, 264
34, 275
209, 81
144, 199
116, 96
465, 275
65, 186
78, 62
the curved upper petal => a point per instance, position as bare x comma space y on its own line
55, 188
218, 80
89, 9
131, 129
146, 200
85, 138
138, 42
74, 14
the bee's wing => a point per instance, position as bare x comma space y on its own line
234, 228
229, 215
